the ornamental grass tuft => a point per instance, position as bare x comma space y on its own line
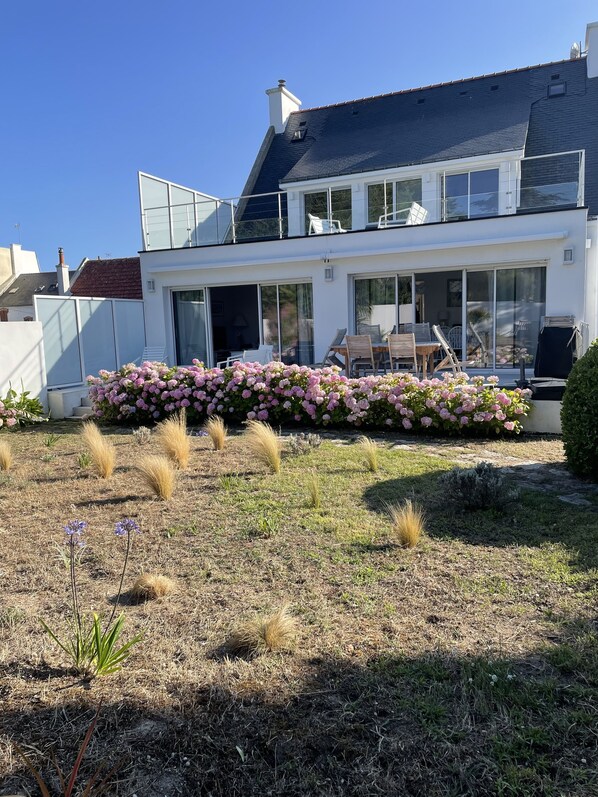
263, 634
264, 444
6, 459
370, 451
159, 475
101, 450
313, 490
216, 430
173, 437
150, 586
407, 523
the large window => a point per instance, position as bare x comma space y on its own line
491, 317
377, 301
330, 204
287, 321
391, 197
190, 326
520, 304
470, 195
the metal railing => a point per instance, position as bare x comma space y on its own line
534, 184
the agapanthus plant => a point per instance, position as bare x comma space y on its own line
92, 648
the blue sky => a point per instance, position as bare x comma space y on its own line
93, 92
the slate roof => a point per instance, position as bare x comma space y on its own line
477, 116
20, 292
116, 278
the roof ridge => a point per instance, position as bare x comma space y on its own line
437, 85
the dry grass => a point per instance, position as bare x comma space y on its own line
159, 475
370, 451
216, 430
313, 490
264, 444
101, 450
149, 586
407, 523
405, 646
6, 458
263, 634
172, 436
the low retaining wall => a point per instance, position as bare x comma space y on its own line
544, 418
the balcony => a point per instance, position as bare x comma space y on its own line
532, 185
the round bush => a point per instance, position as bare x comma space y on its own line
579, 415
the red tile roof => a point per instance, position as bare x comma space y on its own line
117, 278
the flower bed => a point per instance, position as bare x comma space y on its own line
281, 393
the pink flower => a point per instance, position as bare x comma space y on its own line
426, 421
509, 426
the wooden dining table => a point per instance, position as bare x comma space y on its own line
425, 351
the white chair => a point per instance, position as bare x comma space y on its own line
262, 355
318, 226
415, 214
152, 354
455, 337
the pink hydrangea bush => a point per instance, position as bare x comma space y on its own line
280, 393
18, 409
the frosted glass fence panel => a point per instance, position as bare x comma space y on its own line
83, 336
61, 340
130, 330
97, 335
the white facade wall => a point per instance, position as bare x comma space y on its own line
22, 358
508, 241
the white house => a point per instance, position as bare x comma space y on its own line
505, 167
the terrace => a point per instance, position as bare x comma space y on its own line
175, 217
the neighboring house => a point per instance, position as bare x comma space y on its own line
503, 171
19, 271
115, 278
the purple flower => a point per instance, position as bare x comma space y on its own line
75, 527
126, 526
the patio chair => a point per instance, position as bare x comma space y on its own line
450, 359
318, 226
152, 354
415, 214
421, 331
331, 357
455, 337
373, 330
402, 351
360, 356
262, 355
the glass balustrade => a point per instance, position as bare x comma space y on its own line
174, 217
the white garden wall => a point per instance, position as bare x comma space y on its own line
22, 358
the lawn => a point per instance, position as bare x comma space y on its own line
464, 666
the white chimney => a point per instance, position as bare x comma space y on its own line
62, 272
592, 49
282, 103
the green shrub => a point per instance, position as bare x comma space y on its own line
579, 415
482, 487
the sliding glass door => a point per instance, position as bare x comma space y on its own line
189, 309
490, 317
288, 321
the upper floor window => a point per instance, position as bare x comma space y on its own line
334, 203
470, 195
391, 197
